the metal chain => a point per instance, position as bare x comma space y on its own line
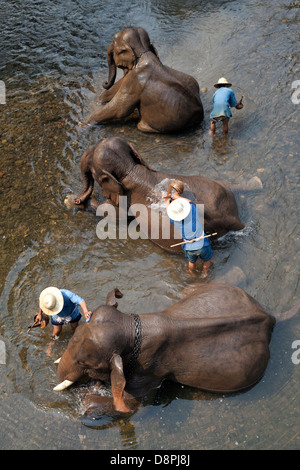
136, 347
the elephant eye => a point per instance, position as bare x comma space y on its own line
82, 364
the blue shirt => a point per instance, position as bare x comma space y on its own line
223, 100
71, 302
191, 228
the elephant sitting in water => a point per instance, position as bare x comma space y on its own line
120, 171
216, 338
167, 100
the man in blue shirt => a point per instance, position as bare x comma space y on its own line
223, 100
62, 305
183, 213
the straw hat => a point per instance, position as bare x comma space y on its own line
222, 81
179, 209
51, 300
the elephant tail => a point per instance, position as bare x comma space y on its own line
231, 223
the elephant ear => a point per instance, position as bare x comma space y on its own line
112, 296
111, 187
118, 382
153, 50
137, 158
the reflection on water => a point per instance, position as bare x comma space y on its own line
53, 63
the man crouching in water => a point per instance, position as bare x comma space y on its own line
62, 306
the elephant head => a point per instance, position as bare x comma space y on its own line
108, 164
97, 352
125, 50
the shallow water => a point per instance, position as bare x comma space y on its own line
53, 61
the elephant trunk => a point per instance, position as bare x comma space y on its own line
112, 69
88, 187
86, 174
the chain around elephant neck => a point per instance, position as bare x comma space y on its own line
136, 347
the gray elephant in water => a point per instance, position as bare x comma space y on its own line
216, 338
166, 100
120, 171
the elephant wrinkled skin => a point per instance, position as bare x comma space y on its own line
215, 339
120, 171
167, 100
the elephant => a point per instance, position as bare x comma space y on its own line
215, 338
167, 100
120, 171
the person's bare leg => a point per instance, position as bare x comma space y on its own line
192, 268
74, 325
212, 128
55, 334
205, 268
225, 127
56, 331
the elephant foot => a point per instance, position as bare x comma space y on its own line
233, 277
144, 127
254, 184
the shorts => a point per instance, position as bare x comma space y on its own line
204, 253
73, 318
220, 118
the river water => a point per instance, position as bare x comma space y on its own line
53, 61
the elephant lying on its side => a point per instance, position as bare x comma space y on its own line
120, 171
215, 339
167, 100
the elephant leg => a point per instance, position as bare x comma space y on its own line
121, 105
108, 95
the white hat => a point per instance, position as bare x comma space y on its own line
222, 81
51, 301
179, 209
